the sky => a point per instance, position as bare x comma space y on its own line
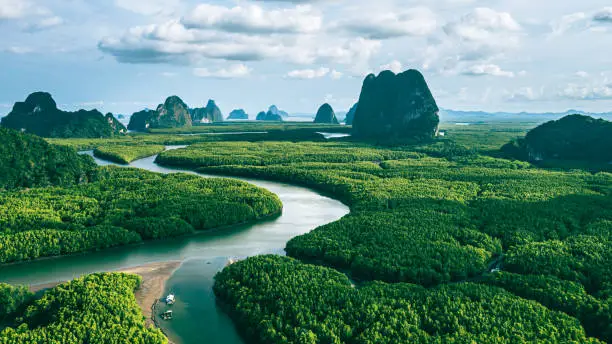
121, 56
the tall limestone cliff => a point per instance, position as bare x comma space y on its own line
396, 107
326, 115
273, 115
39, 115
209, 114
173, 113
350, 115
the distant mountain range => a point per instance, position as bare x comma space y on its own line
447, 115
453, 116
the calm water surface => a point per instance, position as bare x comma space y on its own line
197, 318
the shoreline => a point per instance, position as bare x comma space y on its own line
154, 277
202, 232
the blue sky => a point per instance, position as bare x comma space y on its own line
124, 55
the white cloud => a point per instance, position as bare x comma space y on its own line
232, 72
148, 7
487, 69
568, 22
478, 37
586, 92
45, 23
581, 21
19, 50
239, 34
604, 15
253, 19
308, 73
13, 9
582, 74
525, 94
395, 66
335, 74
482, 25
419, 21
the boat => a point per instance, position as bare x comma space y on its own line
167, 315
170, 299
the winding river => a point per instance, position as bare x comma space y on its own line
197, 317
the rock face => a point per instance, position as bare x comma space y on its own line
173, 113
114, 123
238, 114
396, 107
573, 137
261, 116
350, 115
326, 115
209, 114
39, 115
141, 120
273, 115
275, 111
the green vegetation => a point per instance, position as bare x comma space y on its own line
412, 262
124, 154
211, 133
98, 308
485, 138
39, 115
12, 299
123, 206
279, 300
573, 137
233, 127
430, 215
28, 161
568, 297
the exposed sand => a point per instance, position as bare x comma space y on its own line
154, 277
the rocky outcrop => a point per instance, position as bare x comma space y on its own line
573, 137
261, 116
350, 115
39, 115
238, 114
396, 107
173, 113
326, 115
141, 120
276, 112
273, 115
114, 123
209, 114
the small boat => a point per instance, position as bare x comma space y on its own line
167, 315
170, 299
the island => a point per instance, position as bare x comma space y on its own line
326, 115
396, 107
39, 115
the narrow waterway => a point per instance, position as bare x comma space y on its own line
196, 315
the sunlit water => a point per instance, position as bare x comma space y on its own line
197, 318
328, 136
